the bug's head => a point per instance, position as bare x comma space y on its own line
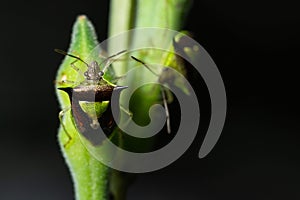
93, 72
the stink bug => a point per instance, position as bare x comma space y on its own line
90, 100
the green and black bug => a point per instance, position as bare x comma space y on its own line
91, 100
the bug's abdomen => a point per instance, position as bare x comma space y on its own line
91, 127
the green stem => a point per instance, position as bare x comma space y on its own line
128, 14
125, 15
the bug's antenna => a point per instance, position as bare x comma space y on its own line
66, 54
163, 92
134, 58
106, 60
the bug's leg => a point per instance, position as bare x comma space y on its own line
64, 77
60, 116
109, 60
169, 96
163, 93
127, 112
166, 99
103, 54
74, 66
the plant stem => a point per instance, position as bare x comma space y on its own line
129, 14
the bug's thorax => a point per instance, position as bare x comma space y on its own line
93, 82
93, 92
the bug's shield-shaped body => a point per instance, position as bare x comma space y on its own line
91, 109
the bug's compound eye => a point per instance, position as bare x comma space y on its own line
101, 73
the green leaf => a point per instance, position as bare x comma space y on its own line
90, 177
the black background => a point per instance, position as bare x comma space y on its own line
255, 45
